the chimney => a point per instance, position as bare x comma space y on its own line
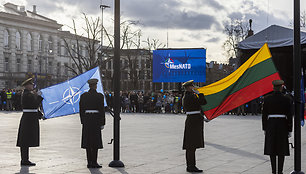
250, 32
34, 9
22, 8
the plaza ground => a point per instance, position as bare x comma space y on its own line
150, 143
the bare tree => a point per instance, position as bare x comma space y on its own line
302, 20
153, 44
236, 31
77, 43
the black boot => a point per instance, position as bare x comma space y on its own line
24, 151
94, 156
193, 169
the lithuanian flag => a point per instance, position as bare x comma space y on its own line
251, 80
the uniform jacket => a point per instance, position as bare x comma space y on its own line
277, 129
28, 132
193, 133
92, 122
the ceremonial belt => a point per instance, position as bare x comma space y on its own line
91, 111
276, 116
193, 112
30, 110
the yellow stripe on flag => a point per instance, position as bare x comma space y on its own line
261, 55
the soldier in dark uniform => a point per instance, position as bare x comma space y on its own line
277, 125
28, 133
193, 134
92, 114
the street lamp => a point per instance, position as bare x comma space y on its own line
102, 9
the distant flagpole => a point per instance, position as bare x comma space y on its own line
116, 82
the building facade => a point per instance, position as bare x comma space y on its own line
31, 45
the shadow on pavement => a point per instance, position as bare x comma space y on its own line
95, 171
24, 170
236, 151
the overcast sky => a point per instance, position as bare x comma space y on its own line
189, 23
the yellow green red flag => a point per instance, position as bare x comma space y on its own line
250, 81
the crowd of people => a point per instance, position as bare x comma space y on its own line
137, 102
10, 100
168, 102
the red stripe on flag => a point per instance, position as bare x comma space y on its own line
244, 95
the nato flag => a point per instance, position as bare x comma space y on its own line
63, 99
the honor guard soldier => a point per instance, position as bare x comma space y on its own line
277, 125
193, 133
28, 133
92, 115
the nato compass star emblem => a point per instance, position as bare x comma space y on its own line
168, 62
70, 96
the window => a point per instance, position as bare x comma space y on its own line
40, 43
148, 63
29, 42
50, 45
30, 65
109, 66
40, 64
66, 68
18, 65
18, 40
58, 69
66, 52
59, 48
148, 74
6, 38
73, 50
50, 68
6, 64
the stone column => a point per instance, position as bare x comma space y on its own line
12, 46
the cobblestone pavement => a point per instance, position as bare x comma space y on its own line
150, 143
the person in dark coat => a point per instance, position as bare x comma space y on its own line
92, 115
277, 125
193, 133
28, 133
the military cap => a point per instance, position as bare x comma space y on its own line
277, 82
92, 81
188, 83
28, 81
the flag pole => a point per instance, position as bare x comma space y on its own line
116, 82
297, 88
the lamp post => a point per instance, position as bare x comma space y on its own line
102, 9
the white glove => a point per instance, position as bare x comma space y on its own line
289, 134
196, 91
39, 93
206, 120
102, 127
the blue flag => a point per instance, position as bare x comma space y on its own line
63, 99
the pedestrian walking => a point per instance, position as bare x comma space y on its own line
28, 132
92, 115
277, 125
194, 124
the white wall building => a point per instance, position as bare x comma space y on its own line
32, 44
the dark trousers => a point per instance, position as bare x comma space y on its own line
92, 155
281, 160
190, 157
24, 152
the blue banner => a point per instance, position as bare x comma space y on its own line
179, 65
63, 99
